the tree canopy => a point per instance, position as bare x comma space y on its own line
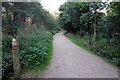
87, 17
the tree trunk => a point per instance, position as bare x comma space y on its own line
88, 28
7, 18
113, 34
94, 34
14, 17
81, 31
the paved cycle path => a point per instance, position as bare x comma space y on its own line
71, 61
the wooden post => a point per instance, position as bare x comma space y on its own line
16, 64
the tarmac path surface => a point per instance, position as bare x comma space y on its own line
71, 61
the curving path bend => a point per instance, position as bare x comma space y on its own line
71, 61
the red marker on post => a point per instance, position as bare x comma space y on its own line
16, 64
14, 44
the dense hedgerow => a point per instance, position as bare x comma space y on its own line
33, 49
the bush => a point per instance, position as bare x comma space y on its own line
102, 47
7, 62
7, 43
36, 48
116, 60
53, 32
10, 29
33, 49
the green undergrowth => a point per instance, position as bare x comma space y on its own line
35, 51
38, 51
81, 42
43, 64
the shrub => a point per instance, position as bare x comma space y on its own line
33, 49
10, 29
102, 47
103, 43
36, 50
7, 63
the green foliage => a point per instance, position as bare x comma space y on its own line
7, 56
99, 32
6, 41
113, 18
19, 11
81, 16
10, 29
115, 7
103, 47
33, 49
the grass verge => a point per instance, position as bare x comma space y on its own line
87, 49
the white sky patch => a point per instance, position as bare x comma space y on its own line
105, 9
52, 5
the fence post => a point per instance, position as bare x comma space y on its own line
16, 62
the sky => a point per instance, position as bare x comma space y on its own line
52, 5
